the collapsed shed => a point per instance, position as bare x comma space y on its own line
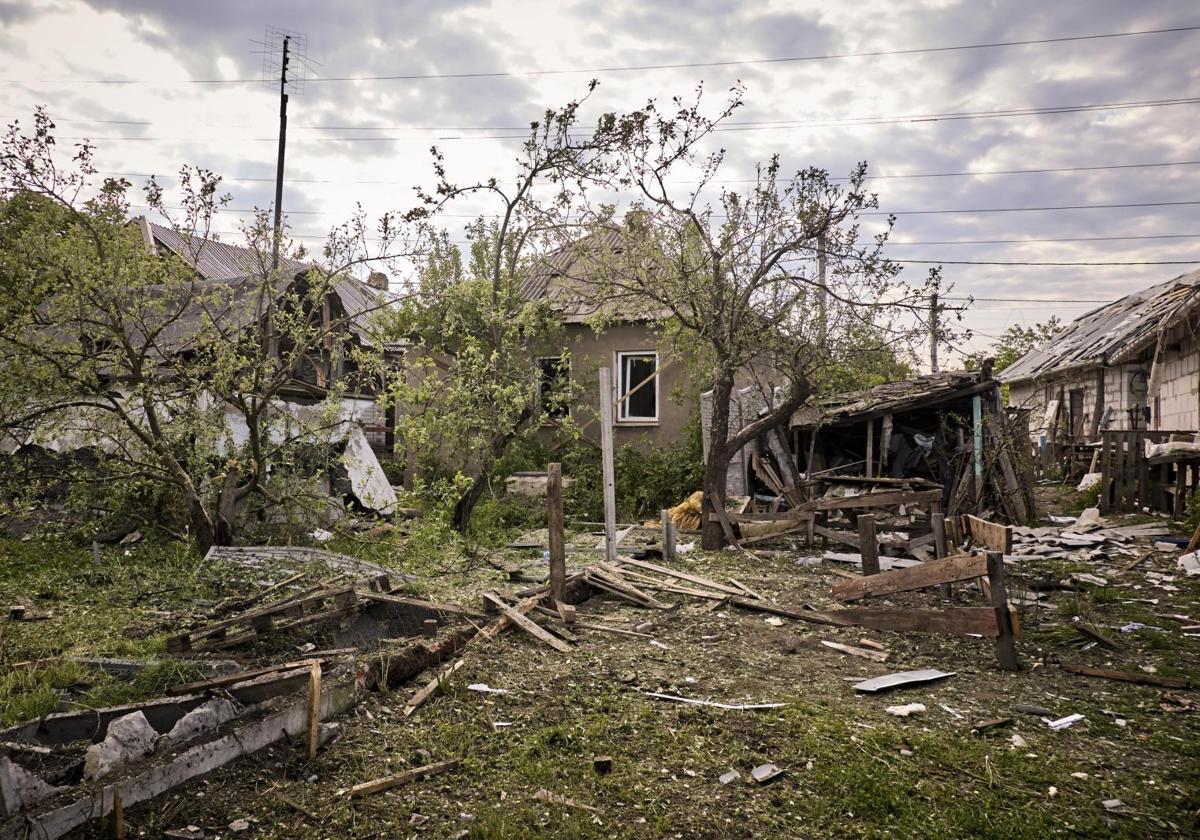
947, 428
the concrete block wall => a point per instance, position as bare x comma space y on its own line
1179, 392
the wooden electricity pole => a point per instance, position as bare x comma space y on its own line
283, 103
933, 332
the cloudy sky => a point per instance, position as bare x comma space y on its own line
464, 76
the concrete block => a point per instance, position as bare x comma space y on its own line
19, 788
129, 739
200, 720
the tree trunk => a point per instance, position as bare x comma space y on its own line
467, 502
202, 526
712, 537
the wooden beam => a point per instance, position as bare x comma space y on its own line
314, 709
870, 449
1129, 676
419, 603
555, 525
414, 775
960, 621
948, 570
868, 545
527, 624
866, 500
1006, 649
606, 456
668, 537
703, 581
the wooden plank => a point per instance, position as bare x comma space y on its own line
960, 621
1006, 631
886, 498
937, 524
948, 570
862, 653
314, 709
844, 537
420, 603
1129, 676
668, 537
231, 679
606, 457
555, 526
868, 544
408, 776
662, 570
528, 625
870, 465
990, 534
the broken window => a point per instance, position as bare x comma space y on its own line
637, 387
553, 390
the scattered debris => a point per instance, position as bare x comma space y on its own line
1065, 722
414, 775
731, 776
979, 727
484, 688
906, 710
544, 795
1128, 676
902, 678
129, 739
740, 707
766, 773
602, 764
864, 653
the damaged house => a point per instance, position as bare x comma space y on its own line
1116, 382
648, 381
227, 291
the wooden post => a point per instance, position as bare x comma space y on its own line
314, 708
937, 523
977, 456
606, 451
118, 815
870, 471
868, 545
430, 627
668, 537
1006, 649
554, 522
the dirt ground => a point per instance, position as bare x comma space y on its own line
849, 769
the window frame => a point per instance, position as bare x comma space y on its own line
623, 417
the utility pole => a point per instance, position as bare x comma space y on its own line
933, 332
283, 103
822, 312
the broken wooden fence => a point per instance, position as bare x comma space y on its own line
997, 621
1130, 482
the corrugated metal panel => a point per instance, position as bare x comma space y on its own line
214, 259
1112, 333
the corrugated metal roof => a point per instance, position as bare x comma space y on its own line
1115, 332
890, 397
215, 259
240, 268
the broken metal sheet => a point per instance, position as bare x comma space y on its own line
902, 678
367, 480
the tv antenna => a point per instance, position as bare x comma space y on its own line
285, 62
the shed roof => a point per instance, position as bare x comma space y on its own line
1113, 333
926, 391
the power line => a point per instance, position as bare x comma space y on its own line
1028, 263
764, 125
971, 173
1026, 209
639, 67
1029, 300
